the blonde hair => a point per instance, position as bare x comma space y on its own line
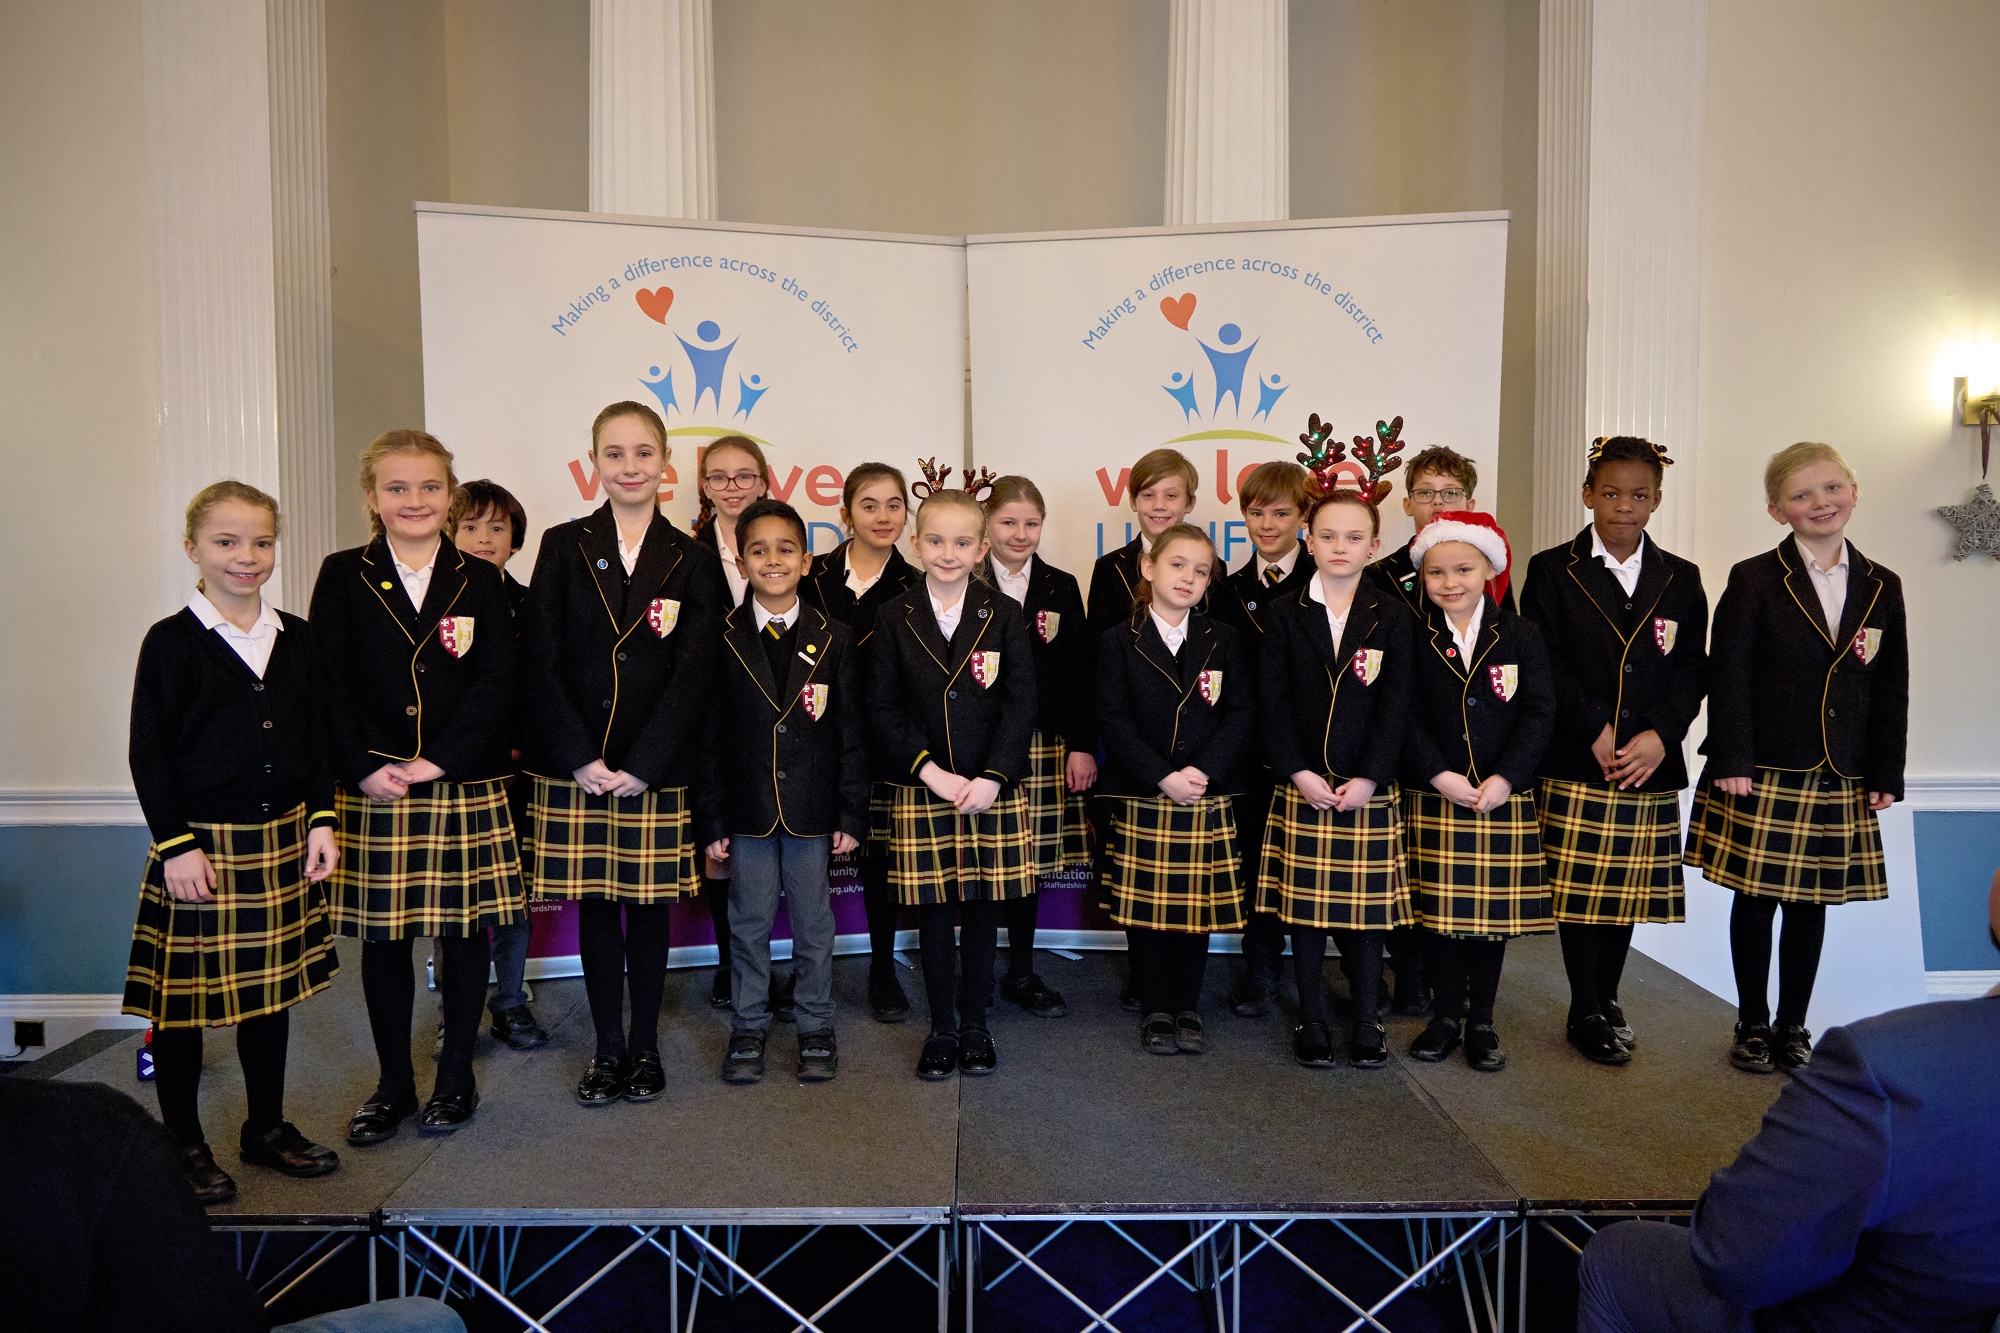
1794, 458
213, 494
394, 442
1155, 466
628, 408
952, 498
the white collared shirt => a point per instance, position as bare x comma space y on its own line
629, 555
1337, 623
947, 621
416, 582
1174, 635
858, 585
1284, 566
1014, 585
790, 615
253, 646
1625, 571
1466, 640
1830, 584
738, 584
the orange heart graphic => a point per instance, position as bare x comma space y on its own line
656, 302
1179, 312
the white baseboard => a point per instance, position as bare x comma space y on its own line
1959, 985
64, 1018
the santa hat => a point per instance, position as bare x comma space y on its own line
1476, 530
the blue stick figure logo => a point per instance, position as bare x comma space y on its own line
708, 364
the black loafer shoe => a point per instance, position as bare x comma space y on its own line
975, 1051
645, 1077
1438, 1039
819, 1056
1252, 996
1615, 1016
1188, 1033
1752, 1051
1369, 1048
517, 1028
719, 994
1156, 1035
1312, 1046
284, 1149
1791, 1047
885, 995
745, 1061
603, 1081
378, 1118
1595, 1041
446, 1113
210, 1183
939, 1060
1032, 994
1128, 997
1482, 1049
784, 1007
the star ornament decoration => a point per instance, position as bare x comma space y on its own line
1977, 522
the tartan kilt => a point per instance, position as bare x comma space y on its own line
1333, 869
1055, 813
263, 945
1797, 837
441, 861
1175, 867
937, 855
624, 849
1475, 876
1614, 857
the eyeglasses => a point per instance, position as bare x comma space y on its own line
1429, 497
730, 481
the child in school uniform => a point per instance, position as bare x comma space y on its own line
1808, 724
1273, 498
232, 775
1062, 758
951, 706
795, 788
1626, 627
620, 667
1177, 715
419, 699
1482, 710
851, 584
1333, 700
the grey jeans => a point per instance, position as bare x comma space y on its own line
759, 868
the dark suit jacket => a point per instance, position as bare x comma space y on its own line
1249, 603
1783, 693
1462, 720
1115, 584
392, 690
1316, 705
603, 681
1154, 715
1870, 1199
1397, 573
1636, 663
1060, 636
826, 588
927, 701
786, 768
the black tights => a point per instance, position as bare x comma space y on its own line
260, 1047
1021, 914
389, 985
620, 956
1462, 972
978, 926
880, 904
1167, 968
1799, 944
1594, 958
1360, 959
715, 892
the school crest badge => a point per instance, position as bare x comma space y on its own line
1210, 685
1665, 632
1866, 644
1047, 623
662, 614
455, 633
1368, 665
1505, 680
986, 669
813, 699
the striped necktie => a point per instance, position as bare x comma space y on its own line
776, 627
1273, 575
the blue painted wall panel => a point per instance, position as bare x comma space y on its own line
67, 898
1957, 853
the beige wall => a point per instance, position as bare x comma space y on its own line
78, 582
1849, 242
517, 86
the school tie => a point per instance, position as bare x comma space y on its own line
776, 627
1273, 575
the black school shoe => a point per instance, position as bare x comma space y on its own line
975, 1052
518, 1029
378, 1118
645, 1076
1614, 1014
1439, 1039
745, 1061
1595, 1041
1156, 1035
283, 1149
1032, 994
819, 1056
1189, 1034
447, 1113
210, 1183
885, 994
1482, 1049
1251, 997
1752, 1051
939, 1060
603, 1080
1369, 1048
1791, 1047
1312, 1046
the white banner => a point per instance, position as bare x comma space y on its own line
828, 348
1091, 348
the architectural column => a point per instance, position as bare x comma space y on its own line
652, 108
1228, 112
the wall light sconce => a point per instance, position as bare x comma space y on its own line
1977, 400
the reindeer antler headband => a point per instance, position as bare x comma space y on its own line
1378, 457
978, 485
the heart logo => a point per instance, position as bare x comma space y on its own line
1179, 312
656, 302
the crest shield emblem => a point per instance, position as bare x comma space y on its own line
662, 614
1047, 623
985, 669
813, 699
1664, 633
1867, 643
1368, 665
1210, 685
1505, 680
455, 633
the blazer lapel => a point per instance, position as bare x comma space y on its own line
1318, 630
1654, 576
975, 614
1862, 587
378, 571
1195, 653
809, 650
1489, 636
660, 555
1800, 585
599, 545
1362, 617
740, 633
447, 582
923, 624
1147, 642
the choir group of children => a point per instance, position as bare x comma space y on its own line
1324, 746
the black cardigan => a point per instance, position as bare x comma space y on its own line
1785, 694
1634, 663
608, 677
926, 701
211, 743
789, 767
1318, 706
1464, 722
1059, 634
1397, 573
393, 691
826, 588
1155, 714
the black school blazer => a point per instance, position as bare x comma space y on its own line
1783, 693
794, 760
1397, 573
622, 669
1248, 607
1336, 708
1634, 663
1156, 715
930, 701
826, 588
1475, 723
1059, 634
1115, 585
393, 690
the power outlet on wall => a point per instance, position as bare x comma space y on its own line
30, 1032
